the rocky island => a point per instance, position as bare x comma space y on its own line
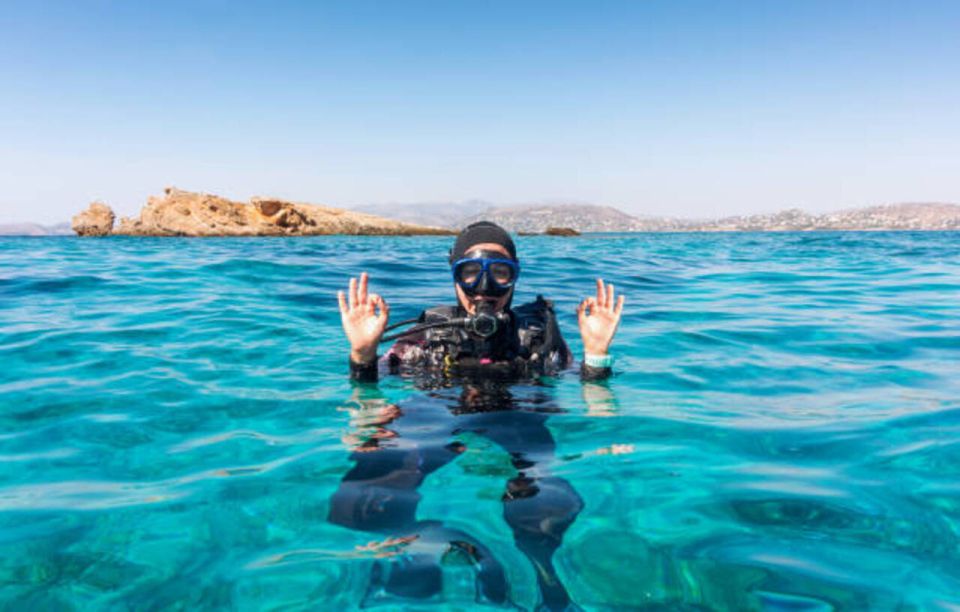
186, 213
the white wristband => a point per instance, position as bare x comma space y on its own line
598, 361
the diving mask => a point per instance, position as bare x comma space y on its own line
487, 273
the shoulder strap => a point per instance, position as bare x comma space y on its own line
539, 331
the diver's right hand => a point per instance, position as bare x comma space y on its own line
361, 320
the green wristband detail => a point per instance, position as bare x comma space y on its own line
598, 361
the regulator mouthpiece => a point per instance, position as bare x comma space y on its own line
485, 322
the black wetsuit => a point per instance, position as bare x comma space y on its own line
379, 494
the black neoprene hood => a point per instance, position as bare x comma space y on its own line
479, 232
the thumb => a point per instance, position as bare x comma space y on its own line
381, 304
384, 311
582, 312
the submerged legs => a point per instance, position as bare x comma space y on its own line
538, 507
379, 494
539, 511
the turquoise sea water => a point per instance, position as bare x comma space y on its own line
783, 432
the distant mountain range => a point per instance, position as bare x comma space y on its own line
437, 214
35, 229
536, 218
591, 218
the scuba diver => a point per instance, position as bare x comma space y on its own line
484, 344
482, 330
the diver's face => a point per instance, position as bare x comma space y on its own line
470, 302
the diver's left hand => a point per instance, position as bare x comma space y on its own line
598, 318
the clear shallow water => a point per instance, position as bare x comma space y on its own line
782, 432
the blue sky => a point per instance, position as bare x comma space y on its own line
684, 108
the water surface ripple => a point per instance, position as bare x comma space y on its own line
783, 431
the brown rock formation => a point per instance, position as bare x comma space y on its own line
561, 231
185, 213
97, 220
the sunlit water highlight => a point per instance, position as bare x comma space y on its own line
782, 431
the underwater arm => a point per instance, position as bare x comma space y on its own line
598, 317
364, 317
600, 399
370, 415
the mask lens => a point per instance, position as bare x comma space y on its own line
469, 272
502, 273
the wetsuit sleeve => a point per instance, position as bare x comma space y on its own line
364, 372
589, 373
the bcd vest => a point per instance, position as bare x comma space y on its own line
529, 343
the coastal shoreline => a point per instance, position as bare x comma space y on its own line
179, 213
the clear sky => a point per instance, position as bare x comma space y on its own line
672, 107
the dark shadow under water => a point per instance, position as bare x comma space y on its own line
396, 446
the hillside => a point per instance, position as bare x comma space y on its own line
537, 218
590, 218
436, 214
910, 216
35, 229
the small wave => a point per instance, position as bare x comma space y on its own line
22, 286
